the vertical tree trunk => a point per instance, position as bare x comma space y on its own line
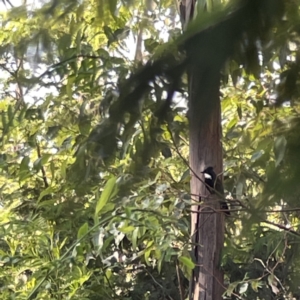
207, 227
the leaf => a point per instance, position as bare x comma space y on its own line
24, 164
83, 230
232, 123
108, 207
150, 44
52, 168
24, 171
110, 190
112, 6
10, 113
41, 161
239, 111
256, 155
231, 288
279, 149
186, 176
45, 158
241, 184
134, 238
53, 131
148, 252
187, 262
69, 86
273, 284
84, 125
159, 264
243, 288
49, 190
255, 284
127, 229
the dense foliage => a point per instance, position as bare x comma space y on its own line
85, 216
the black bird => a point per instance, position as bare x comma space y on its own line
214, 184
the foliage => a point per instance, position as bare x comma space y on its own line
75, 225
85, 216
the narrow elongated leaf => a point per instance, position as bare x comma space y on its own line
187, 262
256, 155
45, 192
134, 238
109, 191
24, 164
279, 149
127, 229
112, 6
82, 230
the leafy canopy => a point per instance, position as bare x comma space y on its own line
95, 194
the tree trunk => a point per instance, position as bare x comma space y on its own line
207, 226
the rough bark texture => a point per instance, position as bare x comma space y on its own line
207, 52
207, 226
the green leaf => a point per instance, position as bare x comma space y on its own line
24, 164
239, 111
83, 230
24, 171
45, 158
108, 207
231, 288
185, 176
69, 86
232, 123
127, 229
134, 238
256, 155
255, 284
84, 125
53, 131
49, 190
148, 252
110, 190
41, 161
150, 45
187, 262
52, 168
240, 186
279, 149
112, 6
10, 113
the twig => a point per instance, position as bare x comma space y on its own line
282, 227
52, 68
38, 149
109, 284
180, 286
158, 284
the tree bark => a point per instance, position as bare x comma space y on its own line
207, 226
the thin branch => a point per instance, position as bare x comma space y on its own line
38, 149
52, 68
282, 227
109, 284
180, 285
162, 288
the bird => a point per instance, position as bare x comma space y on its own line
214, 184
